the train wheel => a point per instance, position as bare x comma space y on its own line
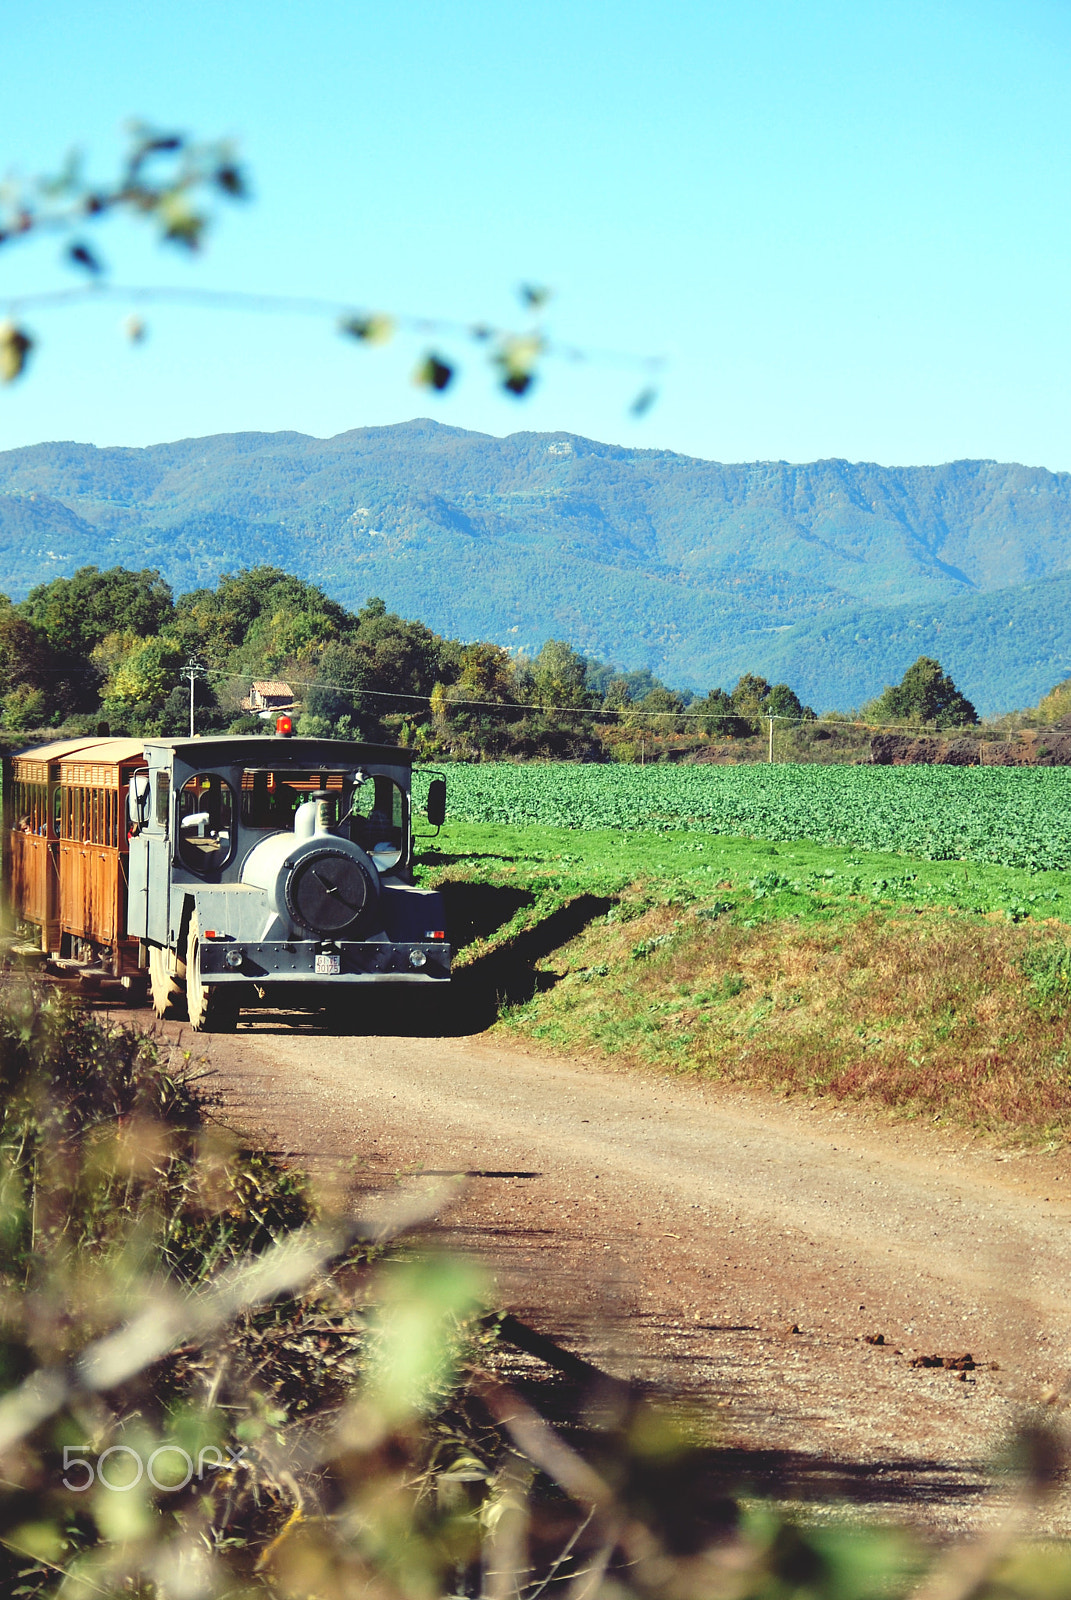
168, 996
213, 1008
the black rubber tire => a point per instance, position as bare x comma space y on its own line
168, 992
212, 1007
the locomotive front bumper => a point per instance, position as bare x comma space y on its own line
335, 961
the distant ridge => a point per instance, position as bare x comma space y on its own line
831, 574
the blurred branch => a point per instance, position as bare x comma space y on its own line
175, 1318
170, 181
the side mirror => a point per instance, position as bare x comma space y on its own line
437, 802
138, 799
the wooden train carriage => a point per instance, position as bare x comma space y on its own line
67, 846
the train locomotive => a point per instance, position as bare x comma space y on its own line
223, 873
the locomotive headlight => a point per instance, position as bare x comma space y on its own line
417, 959
232, 958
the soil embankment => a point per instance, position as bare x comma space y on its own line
1032, 747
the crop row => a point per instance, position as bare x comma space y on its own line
1010, 817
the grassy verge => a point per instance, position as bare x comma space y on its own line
931, 989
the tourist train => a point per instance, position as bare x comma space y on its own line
225, 872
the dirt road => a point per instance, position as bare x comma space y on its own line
733, 1249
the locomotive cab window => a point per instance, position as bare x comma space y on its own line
163, 798
377, 821
205, 822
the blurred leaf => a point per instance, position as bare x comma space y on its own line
516, 358
534, 295
180, 222
433, 373
231, 180
42, 1540
83, 256
15, 347
67, 181
417, 1334
643, 401
373, 328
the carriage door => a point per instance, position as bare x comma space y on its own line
137, 822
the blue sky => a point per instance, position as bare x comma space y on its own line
846, 225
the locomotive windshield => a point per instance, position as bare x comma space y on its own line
269, 799
371, 811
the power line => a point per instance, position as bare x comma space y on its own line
594, 711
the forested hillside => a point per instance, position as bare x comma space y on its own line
114, 649
695, 570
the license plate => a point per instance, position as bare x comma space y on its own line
328, 964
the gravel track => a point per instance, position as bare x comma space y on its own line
731, 1249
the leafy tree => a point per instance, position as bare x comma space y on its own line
750, 695
616, 687
380, 657
718, 716
784, 702
143, 685
39, 685
560, 675
1052, 707
78, 613
668, 704
463, 719
261, 620
925, 695
755, 698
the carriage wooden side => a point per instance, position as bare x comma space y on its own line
66, 856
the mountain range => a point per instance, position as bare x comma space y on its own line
830, 575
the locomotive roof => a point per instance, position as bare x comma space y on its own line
293, 750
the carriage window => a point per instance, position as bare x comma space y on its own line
31, 808
206, 822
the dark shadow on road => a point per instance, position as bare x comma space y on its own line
508, 977
476, 910
469, 1004
700, 1486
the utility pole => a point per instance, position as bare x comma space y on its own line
769, 758
192, 671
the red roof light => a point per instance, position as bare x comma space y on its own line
284, 727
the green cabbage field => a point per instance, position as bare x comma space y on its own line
1013, 817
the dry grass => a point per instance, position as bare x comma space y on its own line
928, 1014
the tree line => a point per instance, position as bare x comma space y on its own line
114, 648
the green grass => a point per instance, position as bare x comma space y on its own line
928, 988
1003, 817
551, 865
